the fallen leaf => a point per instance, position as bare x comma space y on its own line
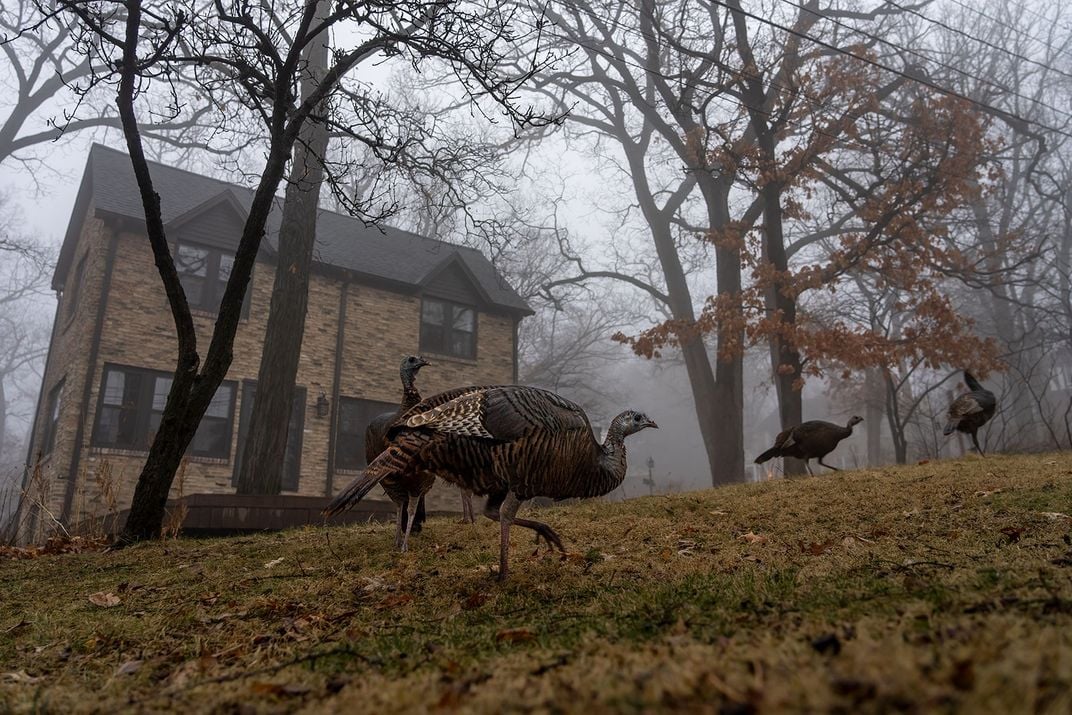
827, 644
375, 583
514, 635
816, 548
474, 600
963, 677
275, 562
128, 668
104, 600
717, 512
1012, 534
753, 538
394, 601
1054, 515
20, 676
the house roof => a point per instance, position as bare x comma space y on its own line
400, 259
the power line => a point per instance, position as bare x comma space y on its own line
1058, 111
740, 103
990, 109
980, 40
991, 18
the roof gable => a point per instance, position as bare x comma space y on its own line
216, 222
378, 255
452, 280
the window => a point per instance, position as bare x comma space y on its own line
75, 291
292, 456
448, 328
52, 419
132, 404
354, 418
203, 273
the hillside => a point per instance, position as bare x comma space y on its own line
936, 587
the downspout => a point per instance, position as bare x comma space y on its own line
91, 372
340, 339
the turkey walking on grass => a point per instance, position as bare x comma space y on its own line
401, 492
509, 442
971, 410
809, 440
405, 490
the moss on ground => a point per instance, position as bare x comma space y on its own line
938, 587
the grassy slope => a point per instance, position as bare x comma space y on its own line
946, 585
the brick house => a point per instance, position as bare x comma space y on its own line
374, 297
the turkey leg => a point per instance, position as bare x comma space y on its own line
409, 524
493, 509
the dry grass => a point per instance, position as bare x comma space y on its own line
934, 588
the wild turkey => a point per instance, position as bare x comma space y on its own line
406, 489
376, 442
971, 410
809, 440
508, 442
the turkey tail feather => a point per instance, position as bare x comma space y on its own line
950, 427
972, 383
769, 454
393, 460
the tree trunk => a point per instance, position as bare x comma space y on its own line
191, 391
785, 360
3, 418
262, 462
873, 416
726, 426
717, 394
893, 417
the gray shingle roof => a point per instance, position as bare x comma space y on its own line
390, 255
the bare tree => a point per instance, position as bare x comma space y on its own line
628, 87
259, 50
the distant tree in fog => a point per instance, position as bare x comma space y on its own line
25, 269
44, 60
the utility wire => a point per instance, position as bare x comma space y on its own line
741, 104
895, 46
991, 18
737, 103
988, 108
980, 40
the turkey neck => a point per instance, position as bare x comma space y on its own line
610, 469
410, 396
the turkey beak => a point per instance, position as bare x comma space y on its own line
422, 362
651, 423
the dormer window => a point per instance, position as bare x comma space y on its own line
448, 328
203, 272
